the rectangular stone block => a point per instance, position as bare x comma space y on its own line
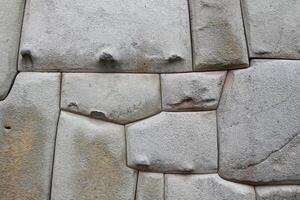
273, 28
174, 142
218, 35
106, 36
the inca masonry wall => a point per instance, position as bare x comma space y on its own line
150, 100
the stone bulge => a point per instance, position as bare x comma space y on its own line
149, 100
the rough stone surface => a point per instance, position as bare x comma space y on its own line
11, 14
28, 118
106, 36
90, 161
218, 35
258, 118
191, 91
150, 186
287, 192
273, 28
205, 187
120, 98
174, 142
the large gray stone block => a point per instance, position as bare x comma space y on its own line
150, 186
28, 119
218, 35
273, 28
90, 161
191, 91
205, 187
121, 98
258, 118
11, 15
106, 36
174, 142
284, 192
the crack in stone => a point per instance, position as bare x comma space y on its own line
272, 152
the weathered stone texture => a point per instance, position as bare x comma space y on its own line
286, 192
218, 35
258, 118
205, 187
191, 91
174, 142
90, 161
106, 36
273, 28
150, 186
121, 98
28, 118
11, 14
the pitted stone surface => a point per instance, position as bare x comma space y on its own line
121, 98
205, 187
286, 192
174, 142
218, 35
90, 161
191, 91
273, 28
11, 14
106, 36
258, 118
150, 186
28, 118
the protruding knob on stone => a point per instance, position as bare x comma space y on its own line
174, 58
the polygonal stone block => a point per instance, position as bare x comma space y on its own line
191, 91
273, 28
28, 119
106, 36
258, 119
120, 98
205, 187
218, 35
285, 192
174, 142
11, 15
90, 161
150, 186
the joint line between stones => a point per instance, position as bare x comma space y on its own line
55, 138
191, 32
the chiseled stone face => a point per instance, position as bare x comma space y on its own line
106, 36
205, 187
191, 91
218, 35
28, 118
150, 186
11, 14
90, 161
174, 142
121, 98
283, 192
273, 28
258, 118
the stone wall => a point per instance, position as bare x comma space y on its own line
150, 100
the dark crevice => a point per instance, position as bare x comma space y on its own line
55, 138
191, 32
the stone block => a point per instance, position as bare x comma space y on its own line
174, 142
258, 119
106, 36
